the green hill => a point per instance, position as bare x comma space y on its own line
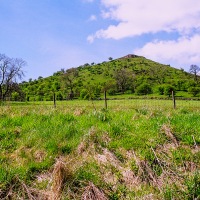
131, 74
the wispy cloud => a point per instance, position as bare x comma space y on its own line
93, 18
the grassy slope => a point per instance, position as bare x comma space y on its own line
113, 149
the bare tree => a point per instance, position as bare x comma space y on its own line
194, 69
10, 72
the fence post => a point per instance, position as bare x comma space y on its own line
174, 100
106, 106
54, 99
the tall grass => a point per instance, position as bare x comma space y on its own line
33, 136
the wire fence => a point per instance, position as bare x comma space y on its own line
128, 104
116, 104
153, 104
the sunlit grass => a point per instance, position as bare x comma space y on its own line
33, 135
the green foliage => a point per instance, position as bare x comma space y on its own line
123, 78
84, 94
144, 89
186, 127
59, 96
112, 91
161, 89
88, 172
194, 91
102, 115
193, 186
169, 89
15, 96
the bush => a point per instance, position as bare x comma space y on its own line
59, 96
161, 89
144, 89
15, 96
194, 91
112, 91
168, 90
38, 98
84, 94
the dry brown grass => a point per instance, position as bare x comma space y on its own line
39, 155
91, 192
81, 147
145, 172
107, 161
78, 112
20, 191
58, 178
168, 132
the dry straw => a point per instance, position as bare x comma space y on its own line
93, 193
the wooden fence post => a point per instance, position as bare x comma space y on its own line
54, 99
106, 105
173, 99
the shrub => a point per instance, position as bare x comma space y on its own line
84, 94
194, 91
112, 91
144, 89
168, 90
161, 89
15, 96
59, 96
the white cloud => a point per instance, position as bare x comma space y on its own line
136, 18
93, 18
148, 16
90, 39
183, 52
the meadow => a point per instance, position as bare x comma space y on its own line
135, 149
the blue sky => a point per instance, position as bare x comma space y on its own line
54, 34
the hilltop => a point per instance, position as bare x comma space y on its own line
130, 74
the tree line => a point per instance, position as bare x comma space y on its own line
138, 76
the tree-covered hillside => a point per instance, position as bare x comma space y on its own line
131, 74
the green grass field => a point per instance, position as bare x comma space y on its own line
136, 149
